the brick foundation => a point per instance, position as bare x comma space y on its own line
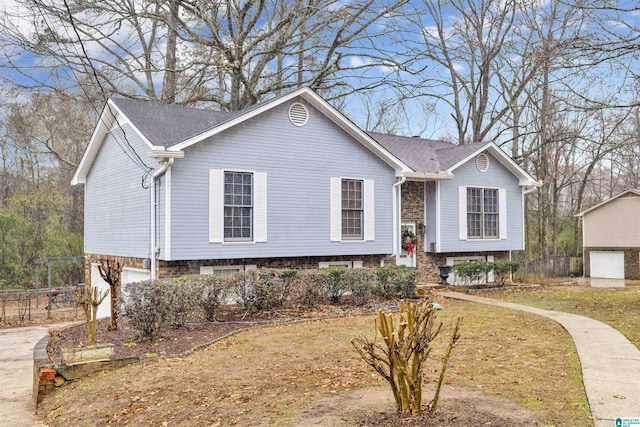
181, 268
168, 269
631, 261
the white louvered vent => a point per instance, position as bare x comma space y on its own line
482, 162
298, 114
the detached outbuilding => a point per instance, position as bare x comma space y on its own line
611, 237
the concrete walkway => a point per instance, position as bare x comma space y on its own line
16, 371
610, 363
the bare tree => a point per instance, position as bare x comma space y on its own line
232, 53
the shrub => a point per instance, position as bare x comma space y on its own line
397, 281
262, 289
476, 273
146, 306
272, 287
309, 289
471, 273
359, 282
183, 299
213, 293
401, 355
502, 271
334, 285
241, 286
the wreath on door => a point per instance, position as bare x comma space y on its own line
409, 241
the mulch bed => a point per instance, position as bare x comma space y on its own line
176, 342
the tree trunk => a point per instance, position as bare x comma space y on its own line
170, 74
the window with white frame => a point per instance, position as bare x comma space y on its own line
352, 209
226, 270
238, 206
338, 264
482, 213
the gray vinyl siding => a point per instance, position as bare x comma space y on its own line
496, 177
430, 214
116, 216
299, 162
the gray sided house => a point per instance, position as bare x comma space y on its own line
292, 183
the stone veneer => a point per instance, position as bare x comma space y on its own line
631, 261
167, 269
428, 262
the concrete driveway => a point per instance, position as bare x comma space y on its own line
595, 282
16, 371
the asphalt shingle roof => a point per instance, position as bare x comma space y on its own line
169, 124
426, 155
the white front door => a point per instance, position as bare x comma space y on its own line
404, 258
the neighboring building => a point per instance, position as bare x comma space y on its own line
611, 237
292, 183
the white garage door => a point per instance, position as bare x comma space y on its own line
129, 275
607, 265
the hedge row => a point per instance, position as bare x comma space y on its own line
476, 273
153, 305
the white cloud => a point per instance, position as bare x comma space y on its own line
358, 61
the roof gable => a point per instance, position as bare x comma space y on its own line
321, 105
176, 127
611, 199
428, 156
472, 150
110, 117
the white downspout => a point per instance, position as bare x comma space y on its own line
152, 244
397, 213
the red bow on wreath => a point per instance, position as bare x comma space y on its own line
410, 248
408, 241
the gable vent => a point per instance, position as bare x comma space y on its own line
298, 114
482, 162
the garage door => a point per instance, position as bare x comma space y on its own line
607, 265
129, 275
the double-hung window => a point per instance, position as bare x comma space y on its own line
238, 206
482, 213
352, 209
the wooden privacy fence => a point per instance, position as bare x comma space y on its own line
555, 266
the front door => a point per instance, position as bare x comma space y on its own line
408, 245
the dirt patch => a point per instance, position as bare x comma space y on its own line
376, 408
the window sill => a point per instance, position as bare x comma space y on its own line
353, 241
490, 239
248, 242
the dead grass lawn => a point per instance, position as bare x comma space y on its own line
265, 376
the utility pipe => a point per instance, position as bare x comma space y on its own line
152, 244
